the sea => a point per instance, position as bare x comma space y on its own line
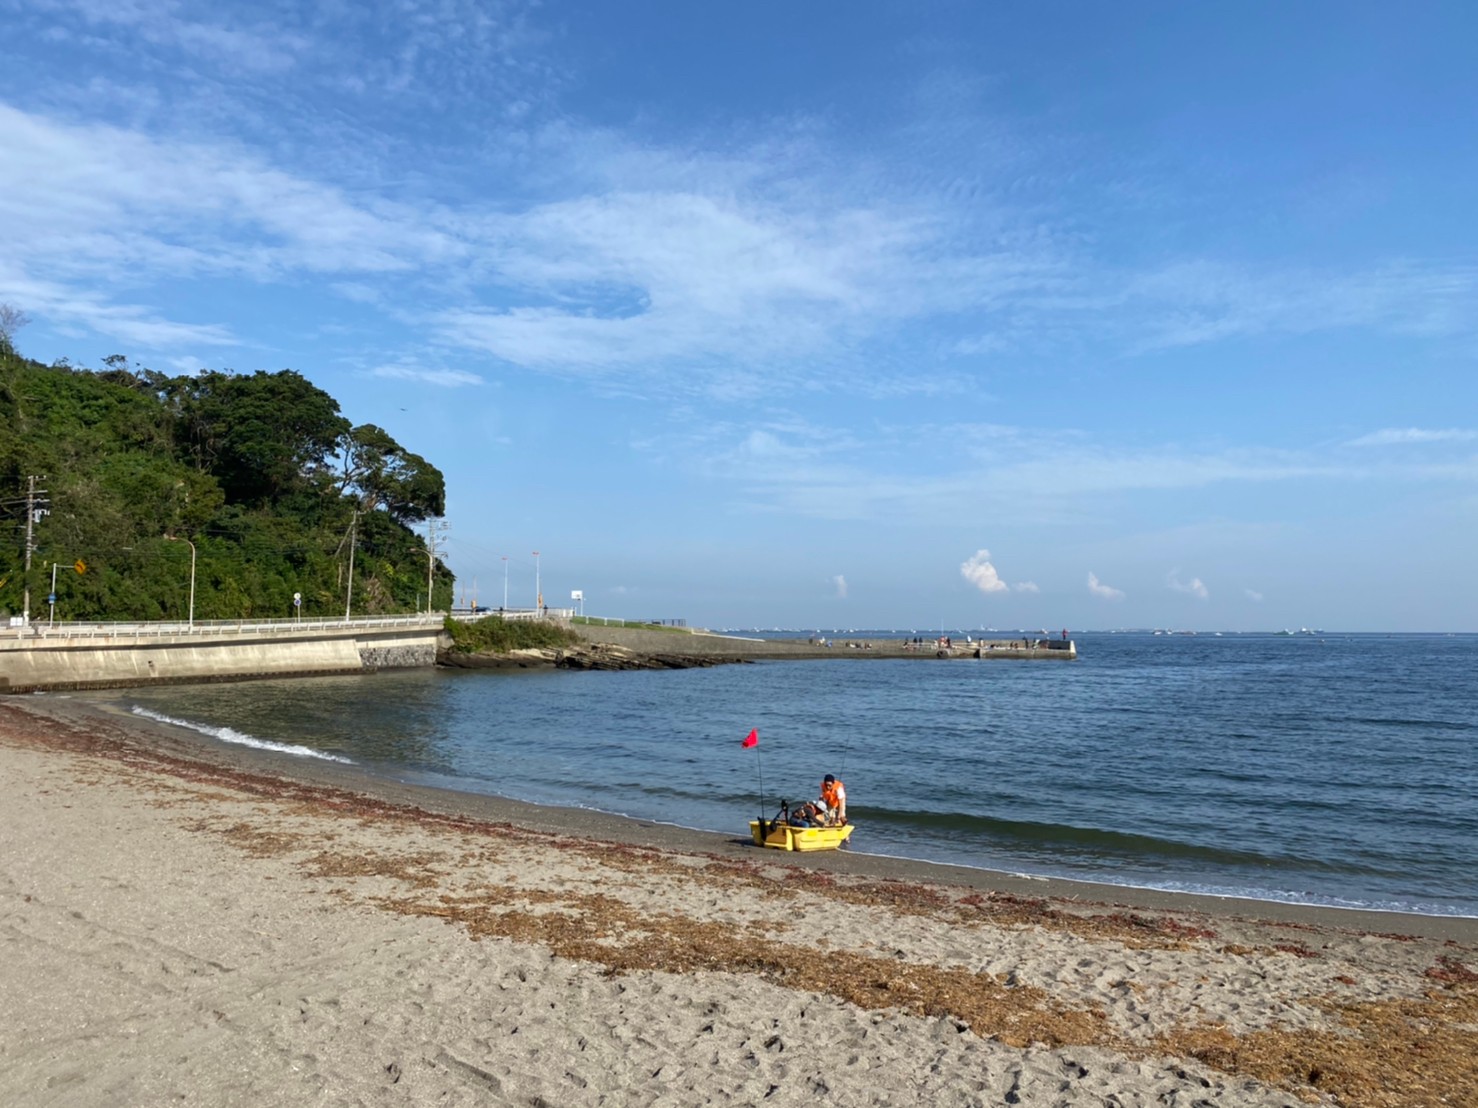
1312, 768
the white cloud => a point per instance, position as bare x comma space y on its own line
688, 266
130, 323
92, 201
446, 378
261, 48
979, 572
1394, 436
1253, 595
841, 586
1193, 586
1028, 586
1107, 592
1196, 302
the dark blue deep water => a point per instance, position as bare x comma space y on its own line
1328, 769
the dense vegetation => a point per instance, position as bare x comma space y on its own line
495, 635
261, 472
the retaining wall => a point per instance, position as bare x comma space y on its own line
105, 661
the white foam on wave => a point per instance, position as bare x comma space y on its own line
239, 738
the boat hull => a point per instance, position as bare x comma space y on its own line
782, 836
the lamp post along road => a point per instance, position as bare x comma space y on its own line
191, 623
505, 582
538, 591
349, 591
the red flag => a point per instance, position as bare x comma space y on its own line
751, 739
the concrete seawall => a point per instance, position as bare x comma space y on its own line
708, 645
105, 657
99, 656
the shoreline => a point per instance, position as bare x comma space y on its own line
228, 925
636, 831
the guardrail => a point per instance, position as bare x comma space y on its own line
141, 630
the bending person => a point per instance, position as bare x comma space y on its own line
834, 796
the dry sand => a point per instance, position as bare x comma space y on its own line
179, 923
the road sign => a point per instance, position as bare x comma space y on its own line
51, 598
297, 599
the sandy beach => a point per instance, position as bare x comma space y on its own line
183, 922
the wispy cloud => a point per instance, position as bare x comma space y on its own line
1194, 586
91, 208
261, 47
1196, 302
1401, 436
1253, 595
1106, 592
446, 378
1028, 586
840, 583
741, 266
134, 324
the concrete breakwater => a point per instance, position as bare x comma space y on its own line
97, 656
732, 647
42, 658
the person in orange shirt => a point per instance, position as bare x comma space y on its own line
834, 796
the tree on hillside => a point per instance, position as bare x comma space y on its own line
383, 474
260, 436
248, 468
12, 319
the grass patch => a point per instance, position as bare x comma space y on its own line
593, 621
495, 635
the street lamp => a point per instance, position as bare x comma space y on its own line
505, 582
191, 625
538, 592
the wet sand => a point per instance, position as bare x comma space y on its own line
183, 920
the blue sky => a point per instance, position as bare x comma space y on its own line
812, 315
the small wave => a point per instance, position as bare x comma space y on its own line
229, 735
1085, 842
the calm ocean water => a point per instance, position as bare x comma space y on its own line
1327, 769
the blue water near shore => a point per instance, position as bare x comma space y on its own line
1330, 769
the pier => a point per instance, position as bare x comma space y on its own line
712, 644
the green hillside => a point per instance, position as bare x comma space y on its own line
260, 472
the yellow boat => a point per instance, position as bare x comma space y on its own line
782, 836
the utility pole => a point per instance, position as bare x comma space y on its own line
349, 592
431, 525
31, 493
